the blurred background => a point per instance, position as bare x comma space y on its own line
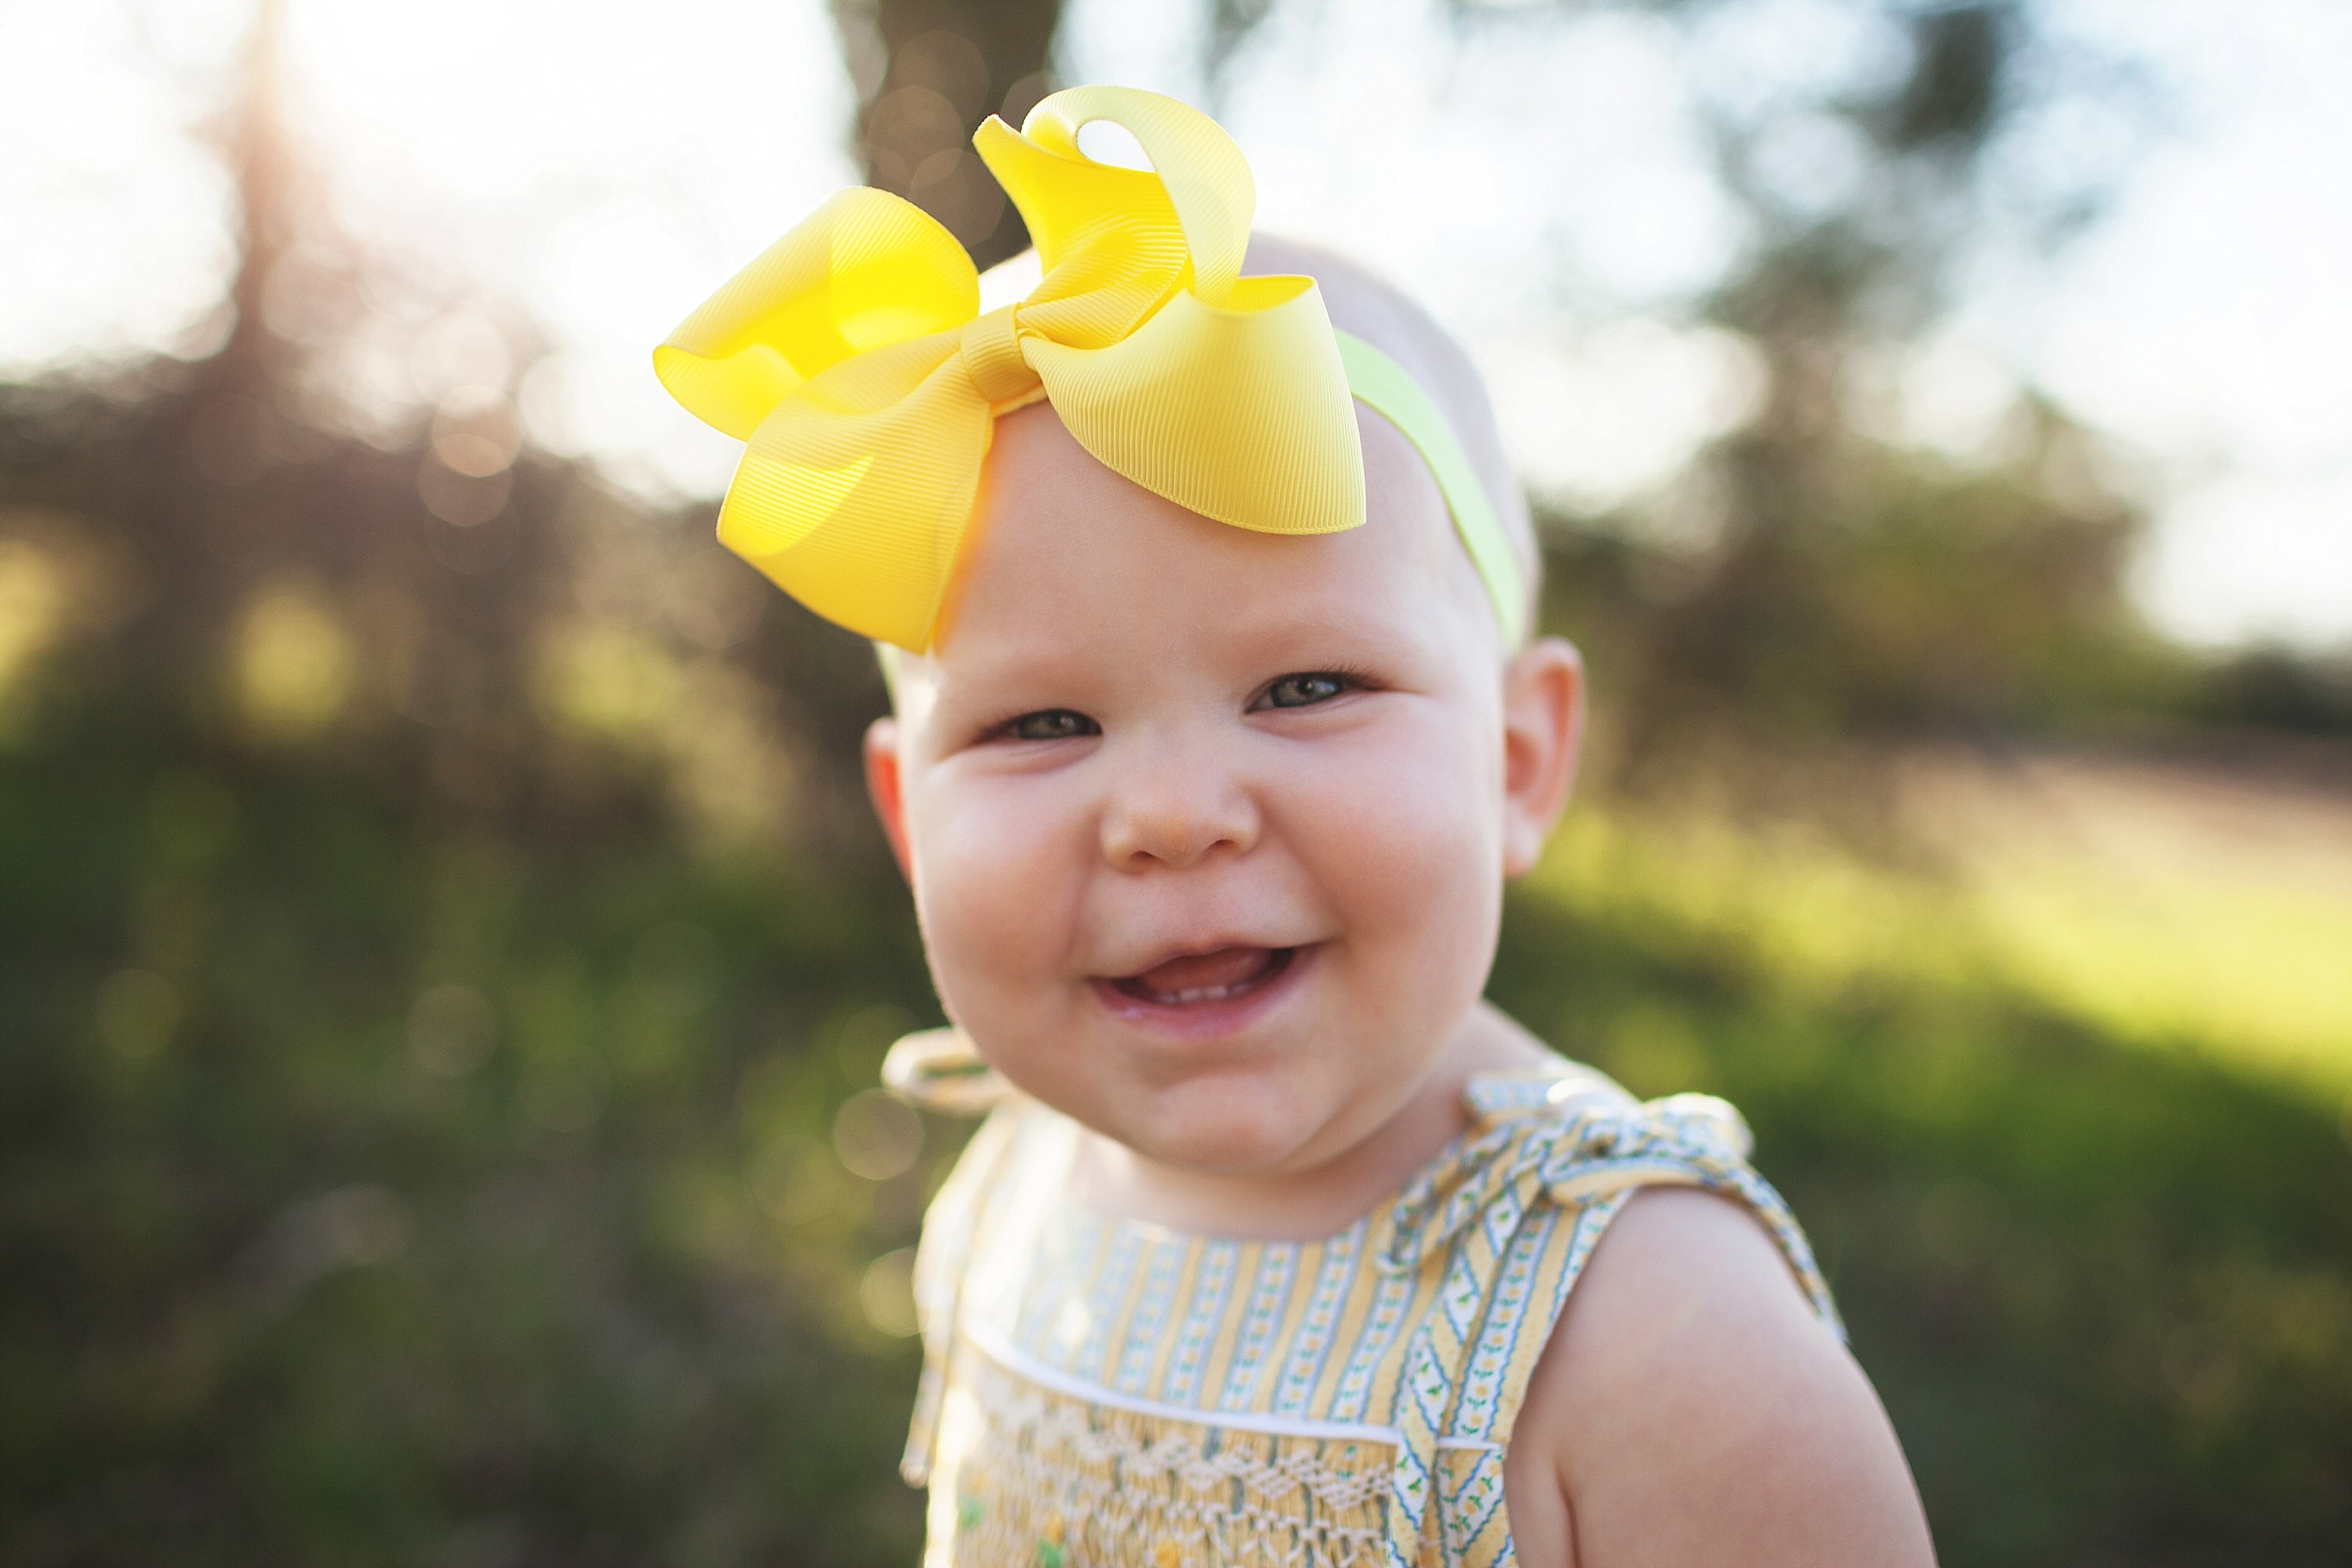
444, 954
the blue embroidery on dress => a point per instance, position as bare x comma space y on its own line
1276, 1270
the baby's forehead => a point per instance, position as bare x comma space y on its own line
1071, 561
1048, 510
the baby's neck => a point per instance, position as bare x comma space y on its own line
1322, 1199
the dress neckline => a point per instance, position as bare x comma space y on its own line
1488, 1099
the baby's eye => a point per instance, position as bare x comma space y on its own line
1048, 724
1304, 690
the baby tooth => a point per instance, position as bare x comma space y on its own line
1194, 993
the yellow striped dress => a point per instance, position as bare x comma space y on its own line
1102, 1390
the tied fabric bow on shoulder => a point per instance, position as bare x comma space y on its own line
852, 358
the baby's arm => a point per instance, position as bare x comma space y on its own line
1691, 1410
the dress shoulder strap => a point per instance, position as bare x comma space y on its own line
1510, 1217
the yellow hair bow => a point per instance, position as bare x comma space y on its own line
852, 358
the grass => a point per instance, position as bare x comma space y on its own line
2162, 930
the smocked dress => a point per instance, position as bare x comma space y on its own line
1102, 1390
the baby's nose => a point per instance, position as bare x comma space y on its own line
1175, 808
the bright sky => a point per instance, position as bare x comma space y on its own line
607, 164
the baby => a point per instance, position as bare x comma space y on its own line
1216, 736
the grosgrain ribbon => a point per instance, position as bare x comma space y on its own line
852, 357
843, 356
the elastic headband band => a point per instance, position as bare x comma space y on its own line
1389, 390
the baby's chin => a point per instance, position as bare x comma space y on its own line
1235, 1125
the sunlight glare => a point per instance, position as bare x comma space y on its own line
118, 230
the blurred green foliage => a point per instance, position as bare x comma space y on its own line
1848, 586
376, 1193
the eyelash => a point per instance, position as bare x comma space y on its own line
1011, 729
1345, 680
1080, 726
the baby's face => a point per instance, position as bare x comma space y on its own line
1208, 829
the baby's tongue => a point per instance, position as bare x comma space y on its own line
1228, 965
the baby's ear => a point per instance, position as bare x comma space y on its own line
881, 786
1543, 737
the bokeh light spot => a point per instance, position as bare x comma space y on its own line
876, 1135
32, 616
609, 680
459, 498
886, 1293
796, 1181
293, 664
476, 432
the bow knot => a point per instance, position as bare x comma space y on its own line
992, 357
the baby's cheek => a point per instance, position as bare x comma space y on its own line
992, 885
1413, 842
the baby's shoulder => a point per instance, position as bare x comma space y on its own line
1694, 1401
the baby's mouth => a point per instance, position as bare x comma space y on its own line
1209, 977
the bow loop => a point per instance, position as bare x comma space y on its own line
1204, 182
1099, 229
863, 271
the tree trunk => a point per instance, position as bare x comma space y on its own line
929, 72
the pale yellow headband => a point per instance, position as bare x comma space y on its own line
853, 357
